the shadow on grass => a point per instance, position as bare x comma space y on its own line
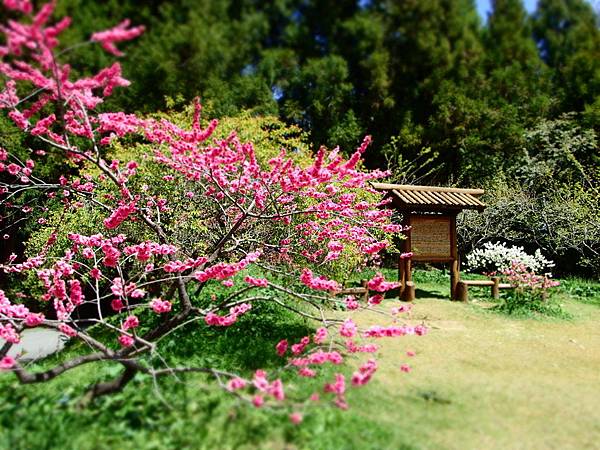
248, 345
425, 293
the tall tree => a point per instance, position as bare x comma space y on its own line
569, 40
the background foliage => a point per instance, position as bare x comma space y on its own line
416, 74
509, 102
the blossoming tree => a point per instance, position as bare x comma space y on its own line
258, 228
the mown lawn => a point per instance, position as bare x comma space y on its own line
480, 380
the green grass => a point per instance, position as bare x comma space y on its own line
479, 380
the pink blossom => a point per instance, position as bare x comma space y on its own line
9, 334
351, 303
33, 320
119, 215
410, 353
378, 283
121, 32
402, 308
235, 384
364, 373
23, 6
259, 282
160, 306
405, 368
282, 347
117, 304
258, 401
95, 273
338, 387
76, 293
320, 335
7, 363
299, 347
375, 299
318, 283
131, 322
348, 328
276, 390
126, 341
66, 329
13, 169
296, 418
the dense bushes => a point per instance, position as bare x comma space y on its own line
550, 200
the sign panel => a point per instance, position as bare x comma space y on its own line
431, 237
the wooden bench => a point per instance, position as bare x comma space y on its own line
364, 291
462, 287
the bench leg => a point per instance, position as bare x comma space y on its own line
496, 288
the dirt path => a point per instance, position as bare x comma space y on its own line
484, 381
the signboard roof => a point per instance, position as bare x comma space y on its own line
433, 197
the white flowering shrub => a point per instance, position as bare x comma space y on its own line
497, 257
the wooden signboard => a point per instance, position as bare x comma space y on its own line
431, 238
429, 213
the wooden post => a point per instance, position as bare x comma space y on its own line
496, 288
366, 288
462, 292
401, 276
454, 277
409, 292
403, 270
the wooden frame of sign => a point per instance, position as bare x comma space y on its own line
430, 238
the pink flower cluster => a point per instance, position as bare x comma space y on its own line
119, 215
131, 322
228, 320
121, 32
319, 357
9, 334
221, 271
394, 331
120, 289
300, 346
160, 306
352, 347
520, 276
378, 284
182, 266
146, 250
348, 328
7, 363
258, 282
364, 373
16, 312
282, 347
319, 283
338, 387
23, 6
246, 195
351, 303
320, 336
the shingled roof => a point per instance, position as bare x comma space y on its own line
432, 197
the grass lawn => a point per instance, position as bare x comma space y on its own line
480, 380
